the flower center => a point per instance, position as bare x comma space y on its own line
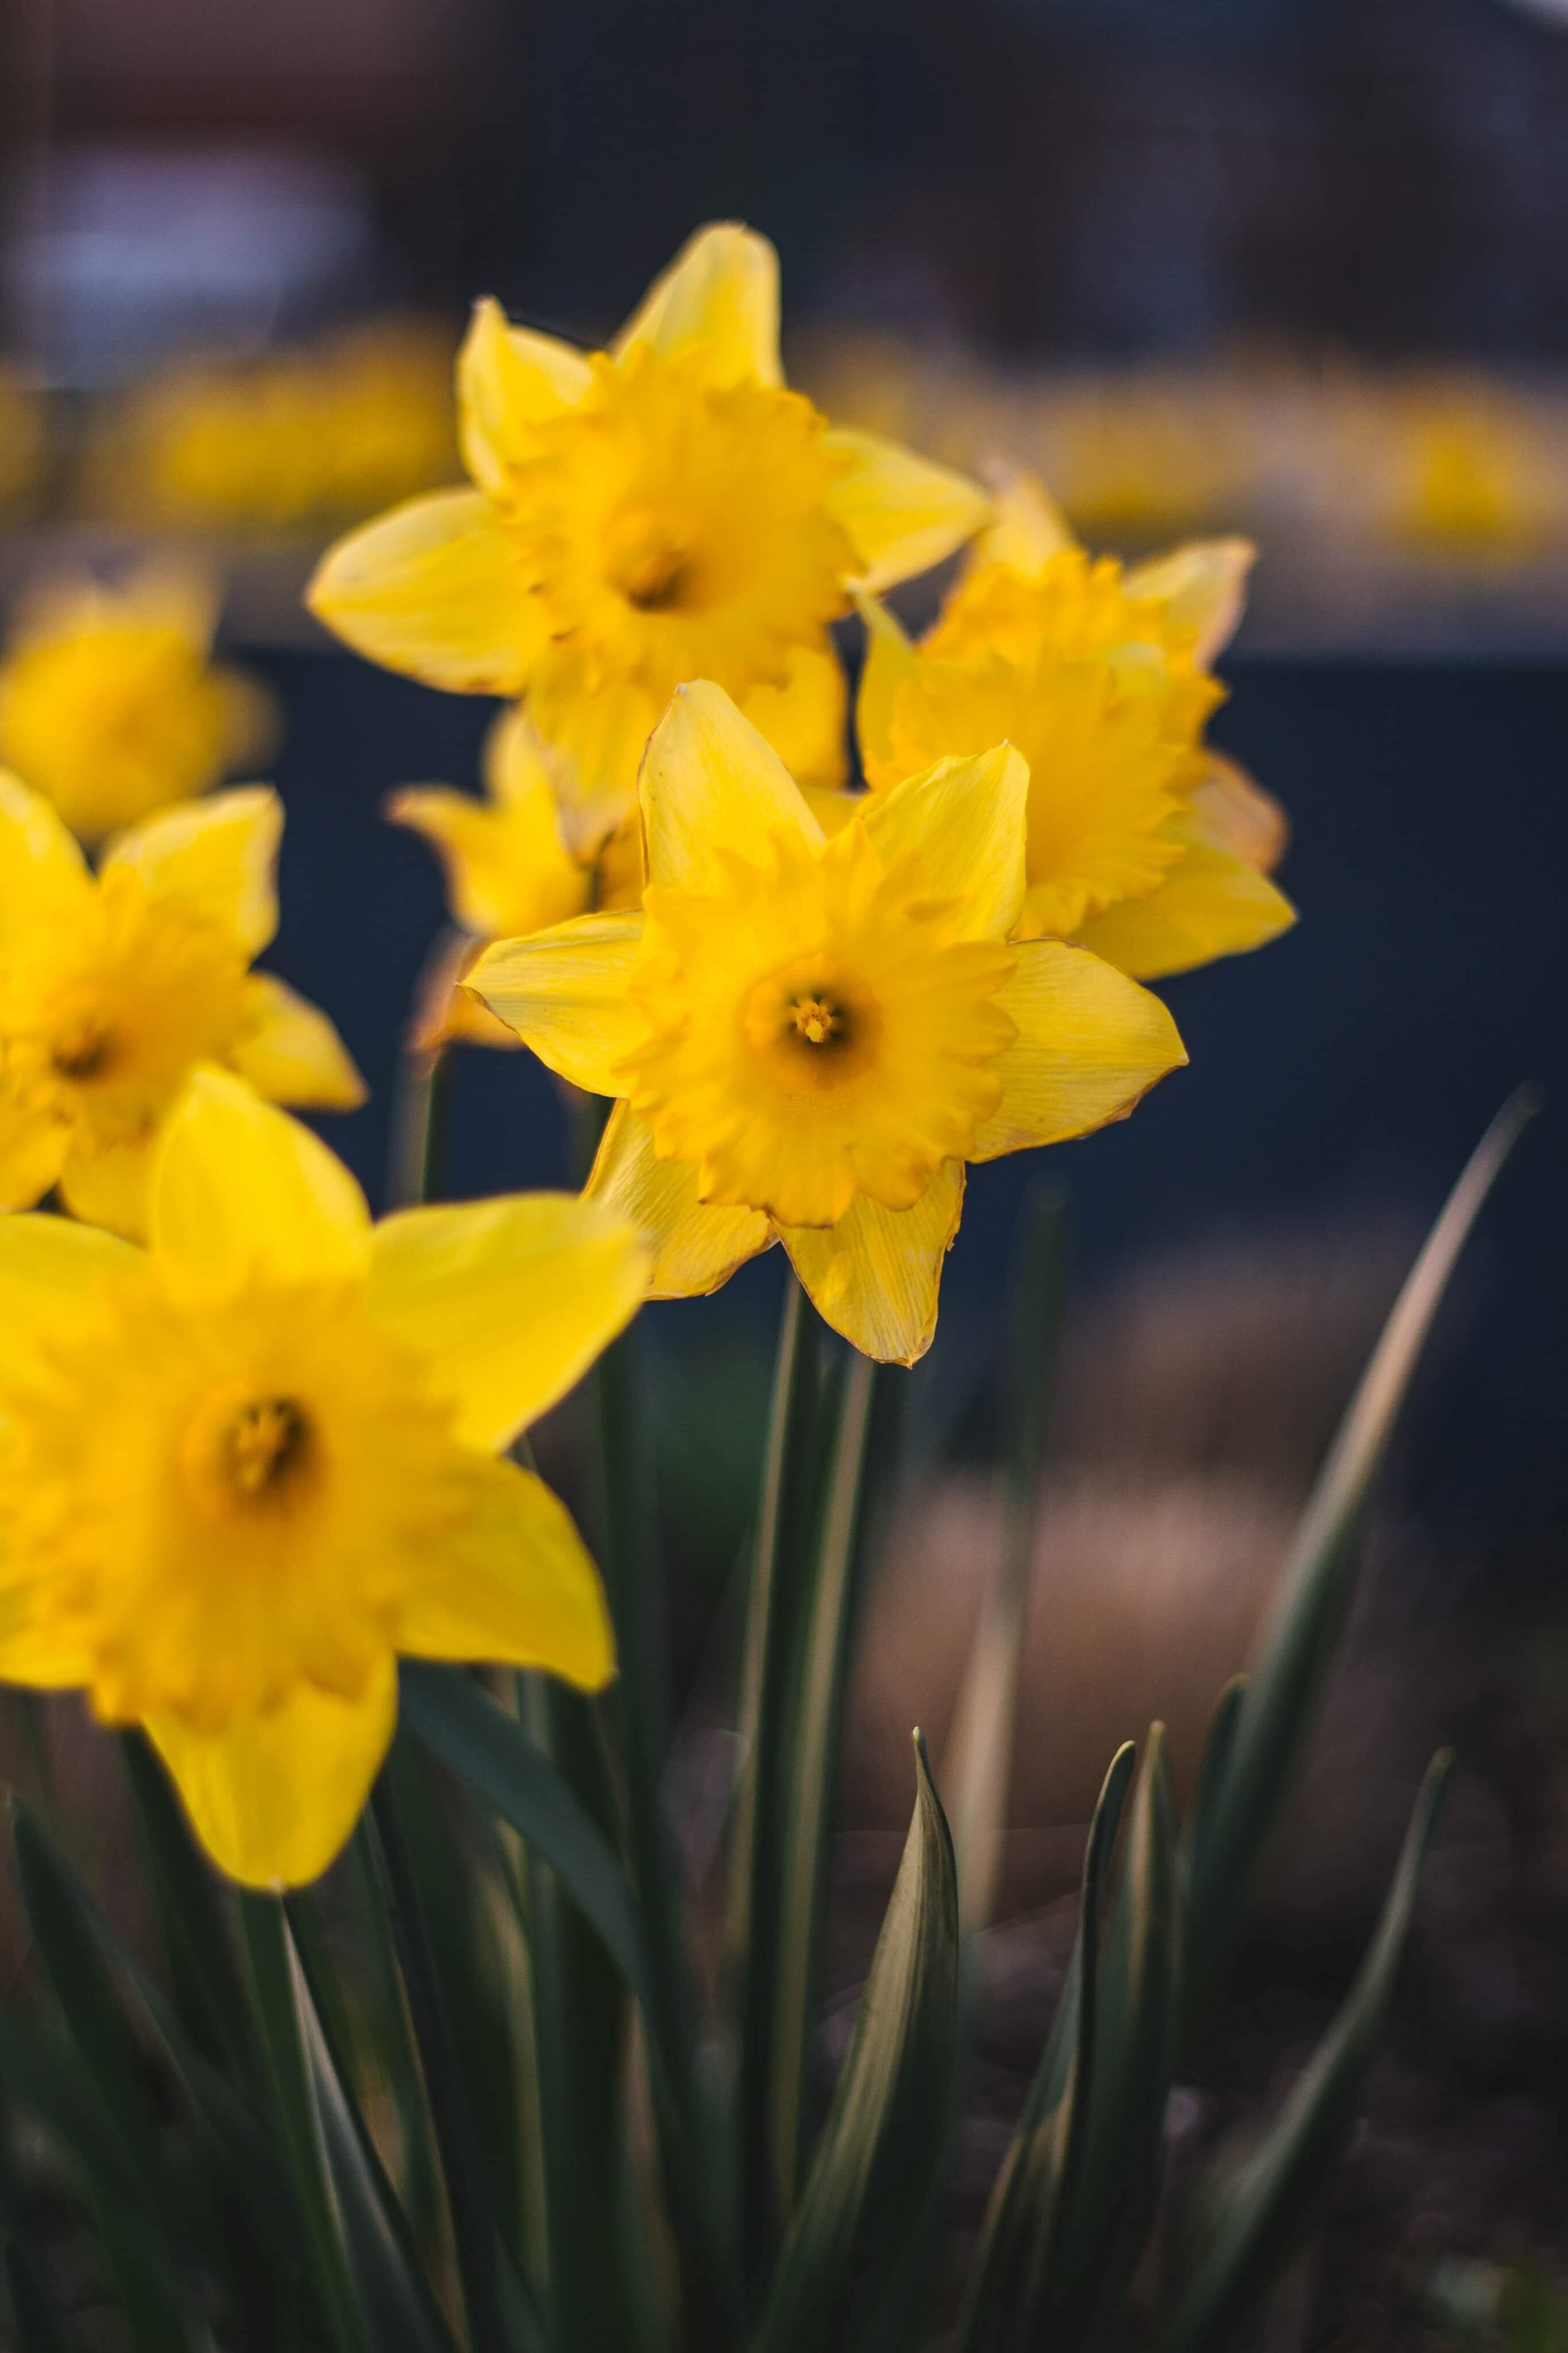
263, 1448
646, 561
818, 1018
82, 1049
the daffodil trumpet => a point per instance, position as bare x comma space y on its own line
245, 1468
808, 1035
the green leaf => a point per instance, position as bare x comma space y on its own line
978, 1761
30, 2316
1294, 1648
1270, 2206
203, 1965
489, 1752
883, 2144
1110, 2209
1011, 2269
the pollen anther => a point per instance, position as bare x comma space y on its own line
263, 1445
817, 1019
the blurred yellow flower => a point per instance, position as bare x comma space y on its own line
110, 706
22, 443
1465, 479
810, 1036
1141, 844
113, 988
660, 512
242, 1470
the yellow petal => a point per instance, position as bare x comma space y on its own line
1027, 528
237, 1186
31, 1650
1089, 1042
804, 719
965, 821
510, 381
902, 514
52, 1275
31, 1153
720, 296
1210, 904
695, 1248
594, 742
564, 993
291, 1053
1229, 811
874, 1276
44, 876
517, 1587
274, 1800
890, 661
109, 1185
219, 854
434, 588
832, 810
508, 869
1203, 587
507, 1301
710, 783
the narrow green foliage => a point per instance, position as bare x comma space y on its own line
1011, 2273
204, 1966
1297, 1642
1266, 2212
883, 2144
32, 2324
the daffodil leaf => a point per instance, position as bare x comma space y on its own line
31, 2319
500, 1765
203, 1965
1034, 2187
1241, 1802
868, 2190
1108, 2213
1262, 2215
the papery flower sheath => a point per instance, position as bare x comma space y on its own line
110, 707
662, 511
114, 987
240, 1471
809, 1035
1143, 844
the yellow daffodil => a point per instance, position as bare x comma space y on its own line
110, 705
809, 1035
114, 987
663, 510
1143, 845
242, 1470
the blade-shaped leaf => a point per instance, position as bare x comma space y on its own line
882, 2142
1293, 1649
1012, 2262
1267, 2209
31, 2319
204, 1964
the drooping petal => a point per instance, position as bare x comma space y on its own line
274, 1798
720, 296
695, 1248
965, 819
595, 739
711, 783
891, 661
1210, 904
237, 1184
1203, 587
511, 380
518, 1587
52, 1278
1229, 811
1089, 1044
507, 869
219, 854
564, 993
291, 1053
31, 1153
874, 1276
109, 1185
44, 876
434, 588
902, 514
1027, 528
506, 1301
804, 719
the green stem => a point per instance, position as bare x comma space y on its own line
421, 1104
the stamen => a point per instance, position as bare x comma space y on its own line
817, 1019
263, 1444
646, 562
82, 1051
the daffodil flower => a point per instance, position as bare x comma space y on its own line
1143, 844
809, 1035
114, 987
242, 1470
110, 707
663, 510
